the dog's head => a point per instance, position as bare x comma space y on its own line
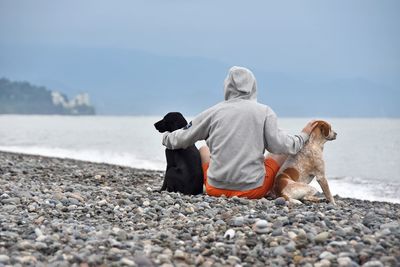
171, 122
323, 130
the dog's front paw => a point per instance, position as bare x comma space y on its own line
313, 198
295, 201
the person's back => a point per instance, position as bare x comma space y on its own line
237, 145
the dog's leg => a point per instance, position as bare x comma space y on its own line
164, 186
291, 200
297, 191
312, 198
170, 157
325, 188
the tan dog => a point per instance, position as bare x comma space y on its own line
293, 178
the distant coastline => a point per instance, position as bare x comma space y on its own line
24, 98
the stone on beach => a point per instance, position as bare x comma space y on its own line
321, 237
229, 234
261, 227
280, 201
60, 212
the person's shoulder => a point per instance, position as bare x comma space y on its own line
267, 109
210, 111
216, 107
264, 107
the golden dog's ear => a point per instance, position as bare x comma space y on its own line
324, 127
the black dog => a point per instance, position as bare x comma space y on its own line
184, 172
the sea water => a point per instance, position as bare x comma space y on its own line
364, 161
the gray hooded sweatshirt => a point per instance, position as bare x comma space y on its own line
237, 132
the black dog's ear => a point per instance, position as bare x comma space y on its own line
180, 121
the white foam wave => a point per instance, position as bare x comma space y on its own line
355, 187
98, 156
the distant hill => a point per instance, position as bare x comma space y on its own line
24, 98
131, 82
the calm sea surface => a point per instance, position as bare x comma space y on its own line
364, 161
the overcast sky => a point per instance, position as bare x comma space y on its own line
340, 38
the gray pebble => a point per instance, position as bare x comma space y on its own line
25, 245
261, 227
280, 201
95, 259
237, 221
4, 259
14, 200
73, 201
374, 263
337, 243
391, 225
180, 255
327, 255
323, 263
346, 262
277, 232
279, 251
321, 237
291, 246
370, 219
40, 246
9, 207
220, 222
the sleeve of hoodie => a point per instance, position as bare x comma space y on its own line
197, 129
278, 141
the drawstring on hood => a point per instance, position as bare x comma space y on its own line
240, 83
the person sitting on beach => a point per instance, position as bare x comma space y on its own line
237, 133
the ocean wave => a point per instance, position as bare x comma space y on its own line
357, 187
98, 156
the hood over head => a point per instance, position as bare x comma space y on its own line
240, 83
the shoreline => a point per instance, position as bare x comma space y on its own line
152, 168
69, 212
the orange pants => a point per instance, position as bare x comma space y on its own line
271, 168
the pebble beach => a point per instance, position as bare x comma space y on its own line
62, 212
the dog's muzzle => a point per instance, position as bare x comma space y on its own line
333, 137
